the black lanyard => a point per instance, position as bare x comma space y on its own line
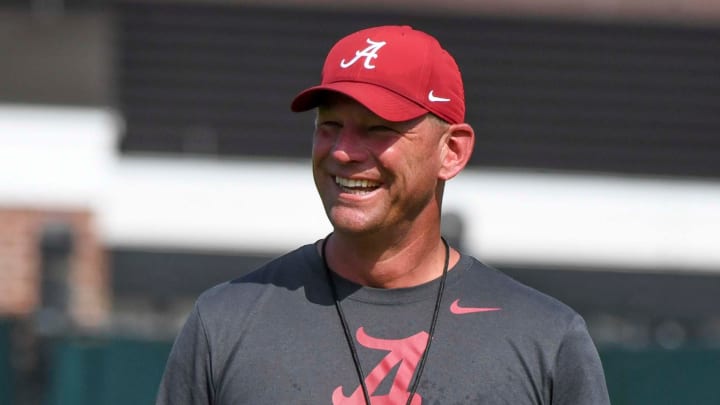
351, 341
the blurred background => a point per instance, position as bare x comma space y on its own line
147, 152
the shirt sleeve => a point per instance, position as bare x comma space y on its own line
578, 377
187, 379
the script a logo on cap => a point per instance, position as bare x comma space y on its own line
368, 53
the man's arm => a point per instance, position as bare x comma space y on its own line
187, 379
578, 376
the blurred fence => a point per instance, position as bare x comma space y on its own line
6, 375
114, 371
106, 372
688, 376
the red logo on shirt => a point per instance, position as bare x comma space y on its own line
405, 352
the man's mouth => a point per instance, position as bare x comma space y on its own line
356, 186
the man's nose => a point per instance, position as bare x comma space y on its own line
349, 146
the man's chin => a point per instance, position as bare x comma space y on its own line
351, 224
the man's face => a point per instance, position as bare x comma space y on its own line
372, 174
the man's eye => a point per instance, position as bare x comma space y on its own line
329, 124
381, 128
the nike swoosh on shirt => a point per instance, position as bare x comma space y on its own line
456, 309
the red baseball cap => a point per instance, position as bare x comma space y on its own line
396, 72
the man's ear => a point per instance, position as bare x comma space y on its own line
459, 143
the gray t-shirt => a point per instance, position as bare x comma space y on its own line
274, 337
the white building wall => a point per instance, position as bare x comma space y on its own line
68, 157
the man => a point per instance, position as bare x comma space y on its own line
382, 310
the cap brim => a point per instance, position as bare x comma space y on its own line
384, 103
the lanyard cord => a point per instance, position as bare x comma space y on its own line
348, 334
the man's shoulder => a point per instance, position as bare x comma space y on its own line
287, 271
516, 296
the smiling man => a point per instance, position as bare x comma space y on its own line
383, 310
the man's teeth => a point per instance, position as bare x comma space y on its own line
356, 183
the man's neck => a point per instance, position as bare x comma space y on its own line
386, 262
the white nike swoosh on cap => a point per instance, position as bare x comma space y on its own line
436, 99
